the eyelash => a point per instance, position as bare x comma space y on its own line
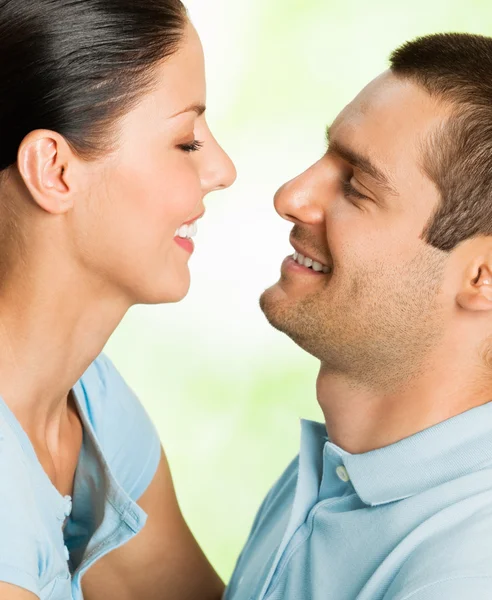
350, 192
193, 147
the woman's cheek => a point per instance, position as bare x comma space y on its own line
185, 195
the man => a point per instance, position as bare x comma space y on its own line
390, 286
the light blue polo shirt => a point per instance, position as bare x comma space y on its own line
412, 520
48, 541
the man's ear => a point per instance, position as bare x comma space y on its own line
476, 293
43, 161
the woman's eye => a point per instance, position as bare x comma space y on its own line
350, 192
193, 147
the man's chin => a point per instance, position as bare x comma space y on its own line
291, 316
275, 306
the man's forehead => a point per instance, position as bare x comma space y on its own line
386, 101
389, 122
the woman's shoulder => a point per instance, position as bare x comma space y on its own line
22, 532
15, 474
18, 487
121, 424
104, 395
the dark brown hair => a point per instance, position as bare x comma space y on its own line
456, 68
76, 66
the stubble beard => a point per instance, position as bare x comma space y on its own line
377, 329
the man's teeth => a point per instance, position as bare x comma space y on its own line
187, 231
310, 263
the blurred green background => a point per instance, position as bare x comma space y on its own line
225, 390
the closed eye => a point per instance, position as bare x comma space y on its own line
192, 147
350, 192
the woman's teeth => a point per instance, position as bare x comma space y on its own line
310, 263
187, 231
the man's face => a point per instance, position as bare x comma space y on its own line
360, 212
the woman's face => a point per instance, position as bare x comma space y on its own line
166, 162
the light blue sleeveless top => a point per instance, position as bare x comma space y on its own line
48, 542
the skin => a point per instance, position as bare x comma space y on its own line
401, 329
87, 241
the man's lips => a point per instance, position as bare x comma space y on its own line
306, 254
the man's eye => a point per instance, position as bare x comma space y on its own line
193, 147
350, 192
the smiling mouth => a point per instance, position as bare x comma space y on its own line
187, 231
305, 261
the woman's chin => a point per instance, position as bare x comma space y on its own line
160, 288
167, 296
174, 299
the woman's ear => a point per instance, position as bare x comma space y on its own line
476, 294
43, 162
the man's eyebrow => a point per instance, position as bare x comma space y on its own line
359, 161
198, 108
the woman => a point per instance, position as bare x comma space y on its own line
105, 160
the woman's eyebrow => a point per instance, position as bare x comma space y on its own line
361, 162
198, 108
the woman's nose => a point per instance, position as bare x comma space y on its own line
219, 173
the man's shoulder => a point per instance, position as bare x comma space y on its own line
466, 542
280, 496
461, 551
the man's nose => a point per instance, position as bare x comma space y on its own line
219, 173
300, 200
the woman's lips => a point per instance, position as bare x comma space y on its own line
194, 219
187, 231
185, 243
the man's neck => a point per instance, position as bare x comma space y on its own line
359, 419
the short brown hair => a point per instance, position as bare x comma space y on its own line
456, 68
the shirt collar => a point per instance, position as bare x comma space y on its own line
453, 448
